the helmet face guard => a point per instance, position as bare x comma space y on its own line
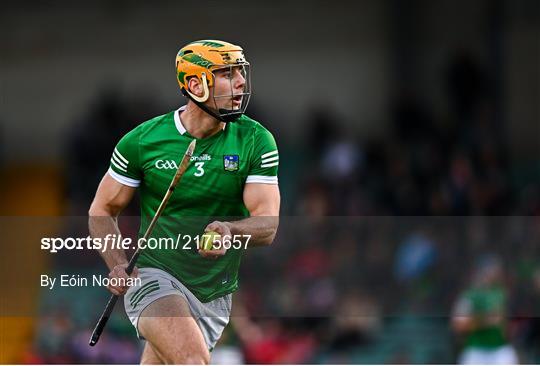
231, 111
202, 59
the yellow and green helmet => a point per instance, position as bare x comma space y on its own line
200, 59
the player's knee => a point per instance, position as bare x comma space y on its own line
189, 356
146, 360
202, 358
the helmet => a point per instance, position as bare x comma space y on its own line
200, 59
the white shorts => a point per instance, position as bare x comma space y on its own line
212, 317
504, 355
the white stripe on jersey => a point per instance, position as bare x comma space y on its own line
267, 160
269, 154
115, 158
121, 156
269, 164
262, 179
118, 166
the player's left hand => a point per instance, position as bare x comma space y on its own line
224, 231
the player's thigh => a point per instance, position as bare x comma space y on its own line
173, 333
149, 356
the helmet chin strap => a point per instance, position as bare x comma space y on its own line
229, 115
225, 115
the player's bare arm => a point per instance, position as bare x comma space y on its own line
111, 198
262, 202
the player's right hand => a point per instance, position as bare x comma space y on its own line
119, 272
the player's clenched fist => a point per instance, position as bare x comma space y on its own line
220, 249
119, 279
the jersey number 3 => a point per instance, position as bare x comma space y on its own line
200, 171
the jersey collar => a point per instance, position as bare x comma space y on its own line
178, 122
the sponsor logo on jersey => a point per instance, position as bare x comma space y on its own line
166, 164
230, 162
203, 157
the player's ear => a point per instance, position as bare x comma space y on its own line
195, 86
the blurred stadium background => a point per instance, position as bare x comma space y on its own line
409, 134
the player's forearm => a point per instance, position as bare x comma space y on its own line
100, 227
262, 229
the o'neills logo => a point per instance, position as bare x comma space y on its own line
203, 157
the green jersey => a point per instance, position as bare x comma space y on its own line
212, 188
481, 303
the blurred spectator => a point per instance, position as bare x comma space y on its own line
227, 351
314, 200
414, 256
268, 341
323, 128
411, 118
341, 160
54, 336
356, 322
92, 138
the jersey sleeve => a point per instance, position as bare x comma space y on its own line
264, 162
125, 166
